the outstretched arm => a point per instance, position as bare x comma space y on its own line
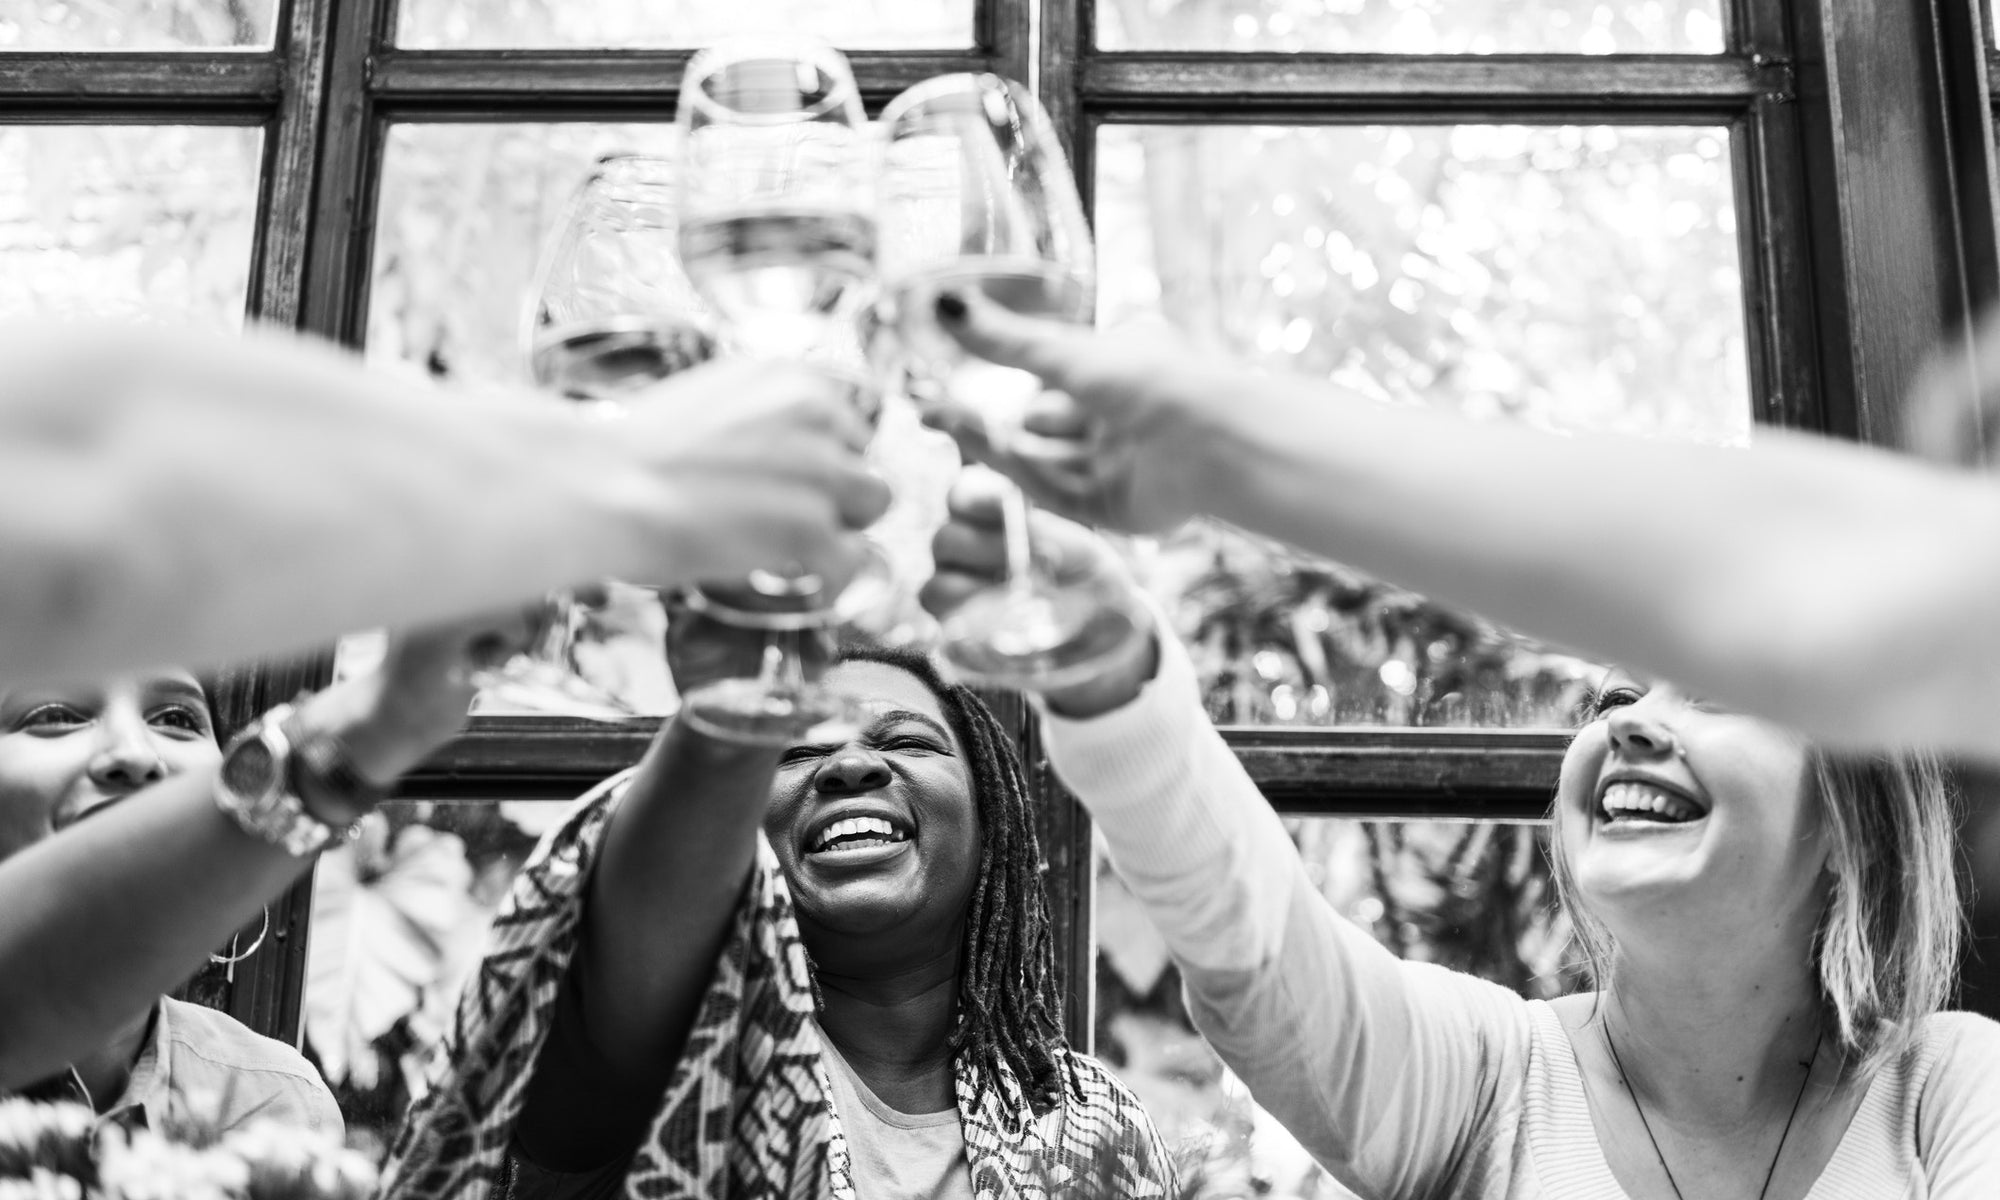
98, 920
1386, 1071
676, 856
1846, 591
189, 498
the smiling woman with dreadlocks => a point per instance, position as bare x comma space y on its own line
859, 1002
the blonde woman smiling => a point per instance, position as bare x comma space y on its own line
1774, 929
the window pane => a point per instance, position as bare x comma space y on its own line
632, 24
1415, 26
1474, 897
1568, 276
136, 24
153, 221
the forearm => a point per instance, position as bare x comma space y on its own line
676, 857
1186, 827
225, 499
1840, 589
98, 921
1375, 1070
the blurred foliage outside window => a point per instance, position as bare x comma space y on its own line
153, 221
1573, 277
136, 24
632, 24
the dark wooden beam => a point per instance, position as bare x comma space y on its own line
335, 298
1458, 87
1004, 35
608, 84
1899, 184
291, 168
1503, 774
1966, 79
1405, 772
137, 87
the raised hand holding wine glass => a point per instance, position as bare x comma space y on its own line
611, 314
977, 197
777, 232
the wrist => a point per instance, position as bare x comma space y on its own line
1118, 685
378, 733
1225, 445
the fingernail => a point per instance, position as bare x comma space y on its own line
950, 308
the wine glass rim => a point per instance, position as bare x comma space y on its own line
773, 48
976, 83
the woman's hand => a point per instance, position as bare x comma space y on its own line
395, 716
761, 466
971, 555
702, 649
1131, 433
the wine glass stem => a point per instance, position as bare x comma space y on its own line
1020, 550
782, 672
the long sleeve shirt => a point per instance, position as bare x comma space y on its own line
1407, 1079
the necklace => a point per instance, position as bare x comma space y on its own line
1769, 1174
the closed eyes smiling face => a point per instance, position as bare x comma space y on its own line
1674, 806
879, 835
67, 753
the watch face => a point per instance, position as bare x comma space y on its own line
250, 770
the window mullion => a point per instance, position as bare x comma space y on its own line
1004, 35
277, 279
1895, 233
345, 195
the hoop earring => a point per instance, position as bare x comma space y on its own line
235, 956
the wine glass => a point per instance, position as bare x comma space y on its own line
777, 211
975, 195
612, 314
777, 232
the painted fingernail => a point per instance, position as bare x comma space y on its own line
950, 308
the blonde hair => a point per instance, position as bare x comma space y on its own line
1886, 947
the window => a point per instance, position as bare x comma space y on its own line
1677, 217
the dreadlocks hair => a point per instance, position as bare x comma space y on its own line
1007, 1001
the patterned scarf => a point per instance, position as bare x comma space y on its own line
748, 1114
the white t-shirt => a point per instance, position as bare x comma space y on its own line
896, 1155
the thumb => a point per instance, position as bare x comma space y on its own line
1050, 349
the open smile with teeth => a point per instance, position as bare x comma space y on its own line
856, 833
1633, 801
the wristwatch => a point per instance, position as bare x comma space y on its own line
272, 766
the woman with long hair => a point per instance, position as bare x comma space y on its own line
822, 969
1772, 930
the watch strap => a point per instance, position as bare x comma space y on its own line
322, 774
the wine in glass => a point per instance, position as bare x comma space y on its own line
612, 314
975, 196
777, 210
777, 233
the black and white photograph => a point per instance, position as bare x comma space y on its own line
999, 600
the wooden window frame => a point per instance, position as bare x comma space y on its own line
1858, 252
